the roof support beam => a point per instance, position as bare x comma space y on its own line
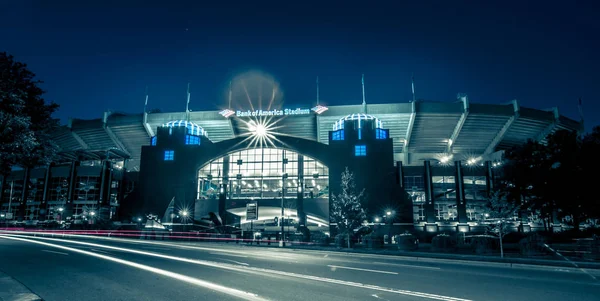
79, 139
498, 138
116, 140
147, 126
411, 122
548, 129
459, 125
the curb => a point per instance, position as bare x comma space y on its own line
13, 290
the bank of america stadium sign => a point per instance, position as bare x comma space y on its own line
260, 113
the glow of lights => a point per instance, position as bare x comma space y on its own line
184, 212
202, 283
139, 219
92, 213
61, 209
377, 219
445, 159
388, 213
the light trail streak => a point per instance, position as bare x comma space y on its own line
247, 269
191, 280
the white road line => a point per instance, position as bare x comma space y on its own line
191, 280
574, 264
224, 254
61, 253
95, 250
359, 269
242, 263
408, 265
251, 270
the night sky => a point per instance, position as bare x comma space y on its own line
99, 55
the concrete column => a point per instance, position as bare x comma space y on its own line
461, 205
223, 191
399, 174
489, 178
300, 196
44, 203
24, 193
69, 205
429, 195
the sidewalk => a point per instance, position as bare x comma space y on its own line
460, 258
13, 290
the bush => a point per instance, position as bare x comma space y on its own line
320, 238
342, 242
373, 241
443, 243
406, 242
532, 245
484, 244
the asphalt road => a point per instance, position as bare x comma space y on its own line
115, 269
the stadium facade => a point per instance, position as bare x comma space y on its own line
428, 165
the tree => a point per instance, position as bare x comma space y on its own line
25, 118
501, 213
346, 207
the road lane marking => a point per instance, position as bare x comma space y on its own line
359, 269
191, 280
242, 263
407, 265
574, 264
61, 253
95, 250
224, 254
252, 270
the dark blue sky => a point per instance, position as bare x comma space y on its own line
100, 55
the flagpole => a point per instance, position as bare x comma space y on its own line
317, 90
146, 103
187, 105
413, 87
230, 95
364, 102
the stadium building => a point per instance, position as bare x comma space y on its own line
427, 165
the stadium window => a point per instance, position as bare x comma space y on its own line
337, 135
360, 150
359, 134
189, 139
153, 141
381, 134
169, 155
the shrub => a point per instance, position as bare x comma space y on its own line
320, 238
483, 244
342, 242
443, 243
373, 241
406, 242
532, 245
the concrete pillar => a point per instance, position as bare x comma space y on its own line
489, 178
69, 205
24, 194
460, 193
399, 174
300, 195
223, 191
429, 195
44, 203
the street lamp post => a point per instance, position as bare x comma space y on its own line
281, 241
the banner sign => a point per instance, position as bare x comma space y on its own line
252, 211
284, 112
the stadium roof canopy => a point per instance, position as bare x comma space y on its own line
420, 128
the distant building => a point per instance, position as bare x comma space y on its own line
442, 155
